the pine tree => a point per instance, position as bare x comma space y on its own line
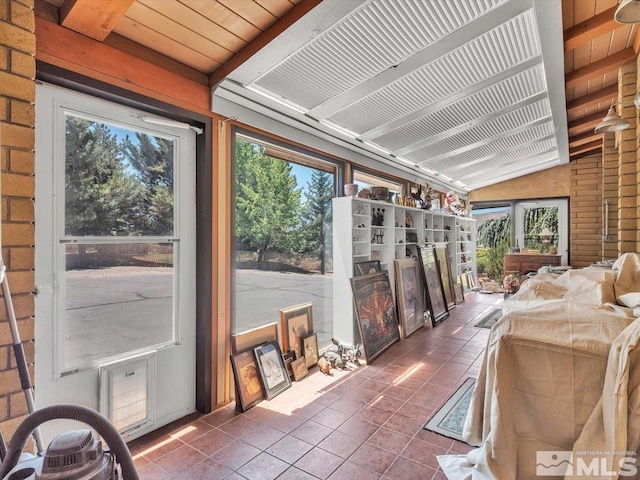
317, 216
267, 200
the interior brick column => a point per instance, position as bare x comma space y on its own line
17, 145
586, 210
627, 159
610, 193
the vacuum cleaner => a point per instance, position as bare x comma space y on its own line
74, 455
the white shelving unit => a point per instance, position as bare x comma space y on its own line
357, 237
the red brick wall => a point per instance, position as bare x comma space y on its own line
17, 144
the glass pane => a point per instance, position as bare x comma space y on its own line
367, 180
119, 298
118, 182
541, 229
283, 240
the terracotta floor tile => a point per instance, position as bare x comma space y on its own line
191, 431
239, 426
405, 469
160, 447
423, 452
360, 429
403, 424
362, 394
319, 463
208, 469
293, 473
263, 436
401, 393
180, 459
212, 441
330, 418
235, 454
385, 377
351, 471
263, 467
347, 405
151, 471
219, 417
374, 385
373, 458
373, 415
289, 449
415, 411
460, 448
286, 423
311, 432
389, 440
340, 444
386, 402
434, 438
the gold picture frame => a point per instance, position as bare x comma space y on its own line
296, 323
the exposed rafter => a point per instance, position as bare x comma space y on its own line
590, 120
611, 62
587, 147
590, 29
261, 40
94, 19
583, 138
605, 95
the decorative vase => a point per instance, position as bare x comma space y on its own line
350, 189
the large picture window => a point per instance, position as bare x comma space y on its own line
283, 228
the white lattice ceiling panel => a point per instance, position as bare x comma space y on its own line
484, 57
378, 36
490, 101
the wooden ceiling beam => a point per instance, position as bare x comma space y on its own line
94, 19
587, 147
598, 68
583, 138
586, 121
577, 156
606, 95
590, 29
261, 40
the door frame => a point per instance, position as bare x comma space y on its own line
205, 221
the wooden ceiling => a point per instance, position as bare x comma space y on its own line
595, 46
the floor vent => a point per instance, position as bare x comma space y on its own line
127, 392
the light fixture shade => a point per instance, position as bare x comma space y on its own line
611, 123
546, 232
628, 12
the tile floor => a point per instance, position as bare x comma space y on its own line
363, 424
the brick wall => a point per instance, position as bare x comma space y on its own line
585, 209
17, 144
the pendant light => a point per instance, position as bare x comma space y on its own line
628, 12
612, 122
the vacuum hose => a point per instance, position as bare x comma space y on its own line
92, 418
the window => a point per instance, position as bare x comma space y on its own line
283, 233
368, 180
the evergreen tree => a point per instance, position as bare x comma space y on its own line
100, 196
317, 216
267, 200
152, 159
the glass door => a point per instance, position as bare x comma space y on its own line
542, 226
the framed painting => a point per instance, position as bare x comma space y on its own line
444, 262
247, 380
464, 281
250, 338
375, 312
458, 293
310, 344
436, 302
366, 267
410, 295
273, 372
296, 323
300, 369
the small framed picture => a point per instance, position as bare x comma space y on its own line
366, 267
247, 380
275, 378
288, 358
459, 294
296, 323
310, 344
300, 369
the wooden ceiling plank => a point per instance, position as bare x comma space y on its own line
598, 68
261, 40
167, 27
199, 23
586, 154
586, 147
160, 43
583, 138
599, 96
276, 7
588, 120
251, 11
227, 19
91, 18
590, 29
